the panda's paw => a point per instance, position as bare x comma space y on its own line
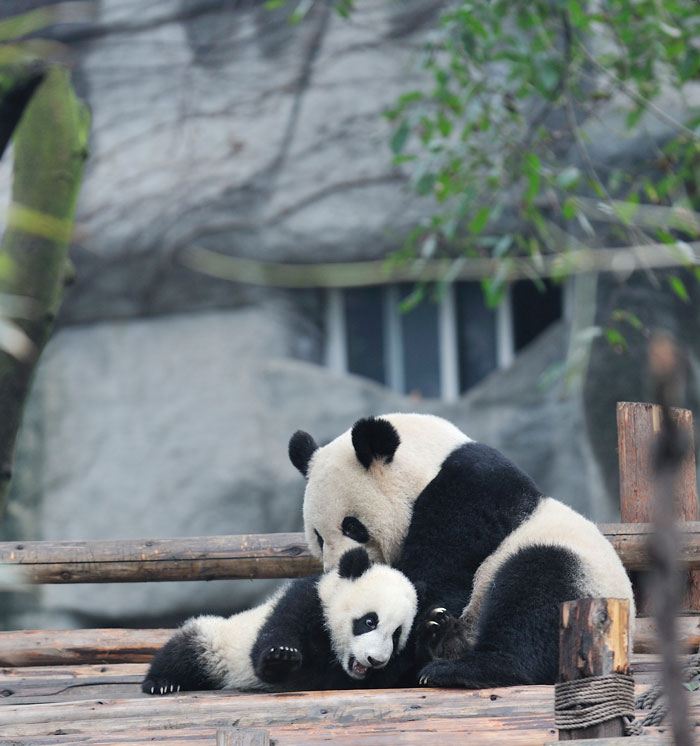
159, 686
436, 626
276, 662
443, 674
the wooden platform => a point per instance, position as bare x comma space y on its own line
101, 703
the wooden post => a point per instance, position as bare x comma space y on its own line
638, 425
594, 641
242, 737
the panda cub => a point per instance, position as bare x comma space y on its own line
493, 556
356, 621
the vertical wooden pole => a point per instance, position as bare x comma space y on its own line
638, 425
594, 641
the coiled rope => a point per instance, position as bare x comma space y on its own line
595, 700
654, 699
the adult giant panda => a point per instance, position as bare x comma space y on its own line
465, 524
356, 621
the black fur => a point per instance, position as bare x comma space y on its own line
477, 498
353, 563
373, 438
354, 529
301, 448
179, 665
517, 638
365, 623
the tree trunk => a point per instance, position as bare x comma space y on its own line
49, 152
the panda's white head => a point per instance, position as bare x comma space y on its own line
361, 486
368, 611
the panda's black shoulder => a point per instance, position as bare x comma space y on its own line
485, 469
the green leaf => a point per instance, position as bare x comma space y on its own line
400, 136
444, 125
628, 317
479, 221
692, 686
425, 184
615, 338
678, 287
569, 209
414, 298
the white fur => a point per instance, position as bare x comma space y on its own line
381, 589
382, 496
228, 642
555, 524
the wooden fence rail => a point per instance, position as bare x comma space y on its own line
238, 557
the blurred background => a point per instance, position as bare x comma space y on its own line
293, 214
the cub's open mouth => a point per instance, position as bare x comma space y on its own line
357, 670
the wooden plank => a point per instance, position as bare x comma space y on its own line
92, 646
451, 734
236, 557
638, 427
656, 739
255, 710
593, 641
140, 560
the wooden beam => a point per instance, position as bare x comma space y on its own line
235, 557
138, 560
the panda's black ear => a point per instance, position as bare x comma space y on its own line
373, 437
353, 563
301, 448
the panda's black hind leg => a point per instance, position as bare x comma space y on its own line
276, 662
179, 666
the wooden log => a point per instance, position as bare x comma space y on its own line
235, 557
242, 737
139, 560
594, 641
638, 425
631, 542
49, 647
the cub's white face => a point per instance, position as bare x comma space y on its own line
348, 503
368, 618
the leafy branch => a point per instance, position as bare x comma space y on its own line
514, 85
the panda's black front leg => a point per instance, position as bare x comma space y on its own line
440, 634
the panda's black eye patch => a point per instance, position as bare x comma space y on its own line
396, 637
354, 529
319, 538
365, 623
